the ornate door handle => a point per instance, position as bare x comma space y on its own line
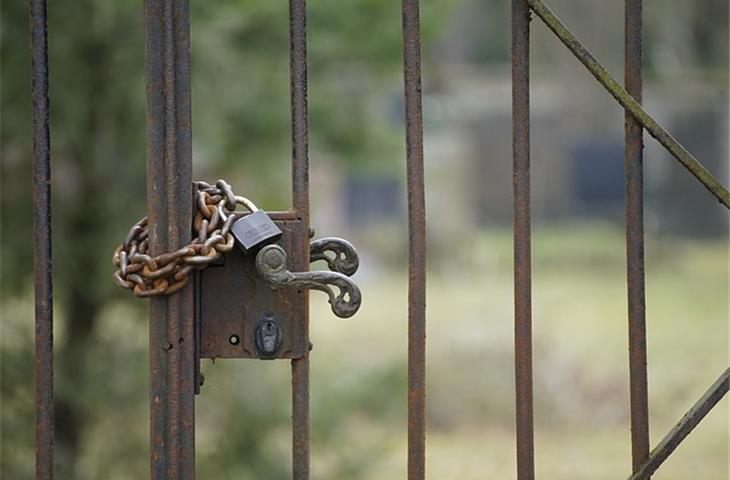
271, 265
344, 259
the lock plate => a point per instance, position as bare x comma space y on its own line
233, 300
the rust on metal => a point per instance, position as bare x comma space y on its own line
300, 200
339, 254
300, 418
633, 167
684, 427
629, 103
42, 240
233, 300
299, 118
170, 212
416, 242
522, 238
343, 294
214, 227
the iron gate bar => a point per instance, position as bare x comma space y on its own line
522, 239
300, 418
300, 201
644, 464
629, 103
299, 120
42, 251
416, 242
169, 199
684, 427
633, 167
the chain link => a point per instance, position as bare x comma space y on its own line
167, 273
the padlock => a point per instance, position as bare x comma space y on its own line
255, 230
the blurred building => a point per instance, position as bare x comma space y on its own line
576, 126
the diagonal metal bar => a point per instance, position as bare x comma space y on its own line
629, 103
42, 242
685, 426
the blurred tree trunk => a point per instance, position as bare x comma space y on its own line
98, 162
82, 299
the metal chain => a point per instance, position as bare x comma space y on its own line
169, 272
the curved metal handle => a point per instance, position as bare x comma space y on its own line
344, 260
271, 264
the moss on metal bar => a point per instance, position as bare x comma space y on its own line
629, 103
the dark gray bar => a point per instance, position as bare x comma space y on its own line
42, 237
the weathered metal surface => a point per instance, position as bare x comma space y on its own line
629, 103
42, 241
170, 201
214, 226
300, 418
299, 118
234, 299
300, 200
416, 242
633, 167
522, 238
340, 255
684, 427
271, 263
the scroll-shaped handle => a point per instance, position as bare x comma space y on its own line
271, 265
339, 254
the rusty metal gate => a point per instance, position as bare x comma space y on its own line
173, 368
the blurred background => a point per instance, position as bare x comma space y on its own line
241, 133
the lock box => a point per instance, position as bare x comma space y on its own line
241, 315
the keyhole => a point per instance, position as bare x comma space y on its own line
268, 338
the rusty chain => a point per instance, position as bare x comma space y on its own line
167, 273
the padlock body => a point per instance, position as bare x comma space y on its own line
255, 230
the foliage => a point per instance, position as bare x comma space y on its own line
241, 118
358, 370
241, 125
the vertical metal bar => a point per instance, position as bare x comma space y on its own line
633, 166
300, 418
416, 242
169, 198
300, 200
42, 241
522, 238
300, 129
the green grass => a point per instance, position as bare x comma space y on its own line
580, 356
358, 372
